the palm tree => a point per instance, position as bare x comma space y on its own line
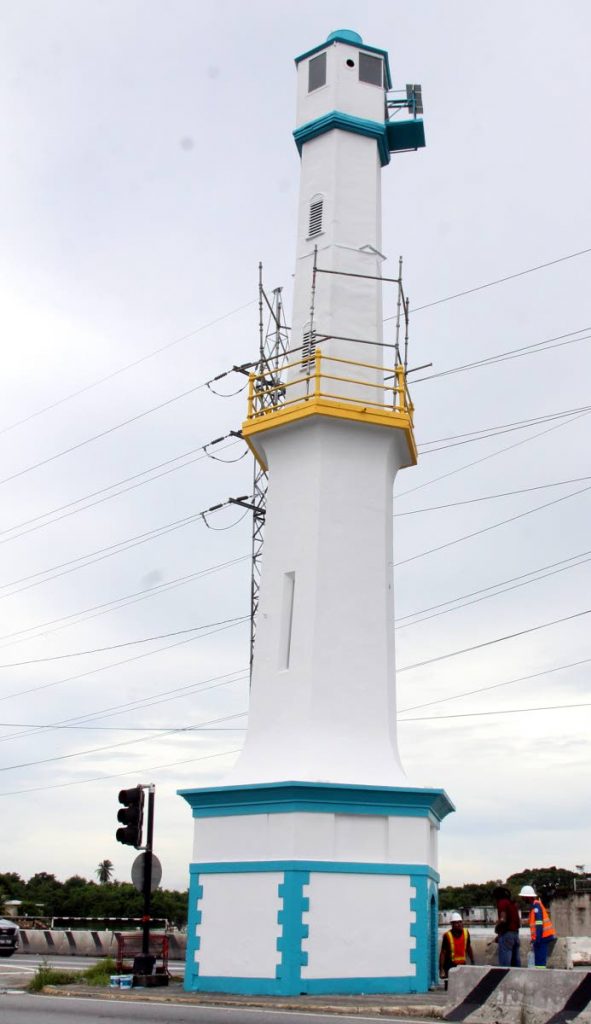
104, 871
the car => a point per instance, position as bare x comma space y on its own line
9, 938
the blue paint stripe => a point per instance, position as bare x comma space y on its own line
346, 123
333, 866
278, 797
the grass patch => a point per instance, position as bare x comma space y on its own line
50, 976
96, 974
99, 973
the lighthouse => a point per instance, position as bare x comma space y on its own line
315, 863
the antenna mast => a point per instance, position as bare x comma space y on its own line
273, 345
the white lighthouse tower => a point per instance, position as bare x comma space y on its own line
315, 864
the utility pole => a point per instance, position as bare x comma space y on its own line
147, 887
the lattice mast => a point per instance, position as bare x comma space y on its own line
273, 345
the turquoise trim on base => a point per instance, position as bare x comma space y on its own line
419, 930
433, 931
288, 978
295, 904
193, 920
346, 123
320, 797
368, 986
333, 866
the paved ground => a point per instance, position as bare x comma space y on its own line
29, 1009
419, 1007
17, 971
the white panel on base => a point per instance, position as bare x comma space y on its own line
245, 907
359, 926
304, 835
361, 837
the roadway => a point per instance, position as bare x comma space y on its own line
17, 970
36, 1009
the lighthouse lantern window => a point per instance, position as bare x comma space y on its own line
370, 69
317, 72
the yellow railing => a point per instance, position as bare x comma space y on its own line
265, 400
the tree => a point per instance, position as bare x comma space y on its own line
104, 871
547, 882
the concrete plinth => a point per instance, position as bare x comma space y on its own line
309, 888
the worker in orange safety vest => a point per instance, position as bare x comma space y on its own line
541, 929
456, 947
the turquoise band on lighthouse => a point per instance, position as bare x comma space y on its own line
346, 123
391, 136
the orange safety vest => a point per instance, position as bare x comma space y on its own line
458, 945
547, 927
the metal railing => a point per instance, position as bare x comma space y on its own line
394, 397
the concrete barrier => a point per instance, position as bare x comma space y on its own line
62, 942
578, 951
503, 995
563, 955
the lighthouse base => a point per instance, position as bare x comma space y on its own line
313, 888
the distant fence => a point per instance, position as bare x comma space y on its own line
87, 942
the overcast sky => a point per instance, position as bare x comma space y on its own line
147, 165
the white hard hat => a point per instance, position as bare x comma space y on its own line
527, 890
455, 916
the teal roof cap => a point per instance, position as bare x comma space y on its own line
345, 35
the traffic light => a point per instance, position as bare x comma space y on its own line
131, 815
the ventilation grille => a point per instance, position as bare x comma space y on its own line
315, 226
308, 351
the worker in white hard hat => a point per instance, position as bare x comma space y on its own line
456, 947
541, 929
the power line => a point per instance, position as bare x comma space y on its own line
493, 526
112, 746
497, 640
490, 497
36, 727
101, 434
485, 596
107, 552
513, 353
111, 430
143, 703
121, 775
123, 369
507, 711
491, 455
115, 664
495, 686
126, 643
206, 728
499, 280
503, 428
202, 449
121, 602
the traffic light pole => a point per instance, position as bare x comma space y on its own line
147, 889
